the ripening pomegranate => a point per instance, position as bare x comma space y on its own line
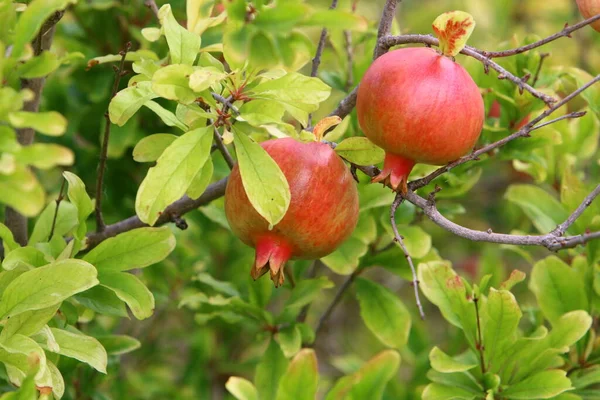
589, 8
323, 209
420, 107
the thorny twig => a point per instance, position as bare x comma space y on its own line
400, 242
119, 72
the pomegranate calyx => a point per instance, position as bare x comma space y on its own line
395, 172
271, 255
453, 29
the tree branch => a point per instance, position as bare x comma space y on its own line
59, 199
222, 148
16, 222
566, 32
562, 228
385, 27
151, 4
119, 71
400, 242
173, 211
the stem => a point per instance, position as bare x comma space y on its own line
223, 149
400, 242
100, 225
151, 4
539, 68
58, 200
479, 343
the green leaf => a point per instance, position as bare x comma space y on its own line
205, 78
299, 94
544, 211
301, 377
128, 101
49, 123
201, 180
435, 391
306, 291
79, 197
22, 191
119, 344
183, 45
81, 347
66, 220
337, 20
226, 288
557, 287
31, 21
416, 240
568, 329
46, 286
38, 67
241, 389
165, 115
173, 82
8, 241
24, 354
383, 313
151, 147
137, 248
265, 184
269, 371
45, 155
173, 174
543, 385
370, 381
433, 279
360, 150
28, 256
131, 290
103, 301
500, 319
290, 340
28, 323
442, 362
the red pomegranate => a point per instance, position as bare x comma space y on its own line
420, 107
323, 209
589, 8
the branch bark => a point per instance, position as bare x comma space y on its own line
16, 222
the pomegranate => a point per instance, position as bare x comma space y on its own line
589, 8
323, 208
421, 106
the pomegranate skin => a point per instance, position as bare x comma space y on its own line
589, 8
420, 107
323, 209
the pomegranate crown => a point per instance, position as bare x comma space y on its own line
453, 29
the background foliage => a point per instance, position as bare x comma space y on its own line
163, 313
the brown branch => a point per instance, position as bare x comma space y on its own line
349, 59
172, 212
566, 32
58, 200
119, 72
390, 41
336, 299
226, 102
479, 343
15, 221
151, 4
346, 105
523, 132
562, 228
539, 68
400, 242
223, 149
385, 27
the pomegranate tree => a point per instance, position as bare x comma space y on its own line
323, 209
589, 8
421, 106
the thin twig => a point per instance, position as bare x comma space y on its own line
312, 272
349, 59
479, 343
223, 149
226, 102
316, 61
385, 27
562, 228
151, 4
566, 32
336, 299
290, 276
58, 200
119, 72
539, 68
400, 242
572, 115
